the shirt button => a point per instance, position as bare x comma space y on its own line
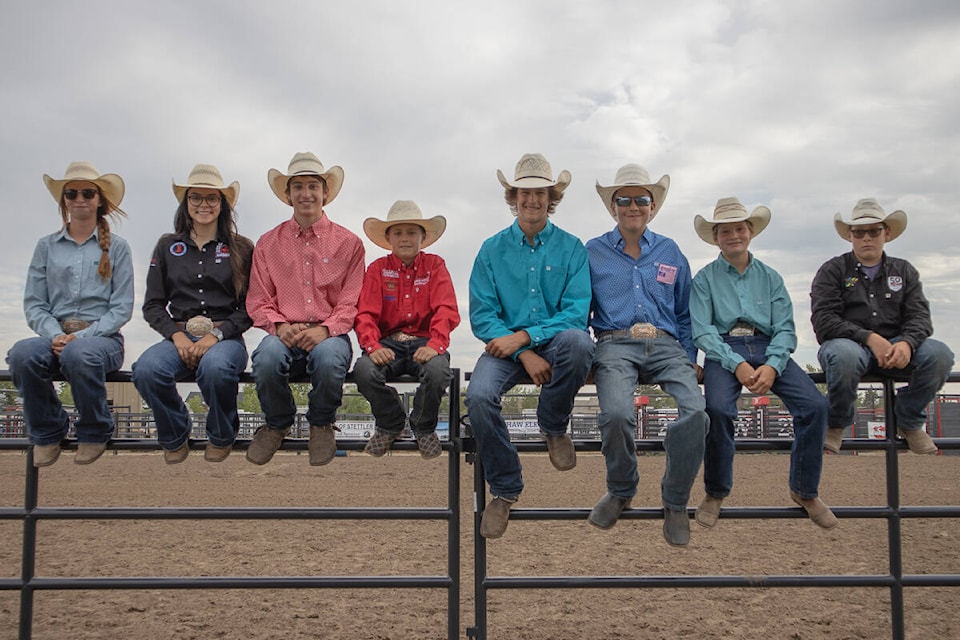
202, 303
201, 262
309, 300
200, 290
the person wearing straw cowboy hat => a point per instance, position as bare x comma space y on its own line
407, 310
304, 286
529, 299
196, 299
78, 294
871, 317
641, 320
742, 320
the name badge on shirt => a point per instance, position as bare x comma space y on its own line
666, 274
422, 282
390, 273
223, 251
895, 283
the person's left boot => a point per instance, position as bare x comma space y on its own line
89, 452
323, 444
918, 441
676, 527
817, 509
562, 454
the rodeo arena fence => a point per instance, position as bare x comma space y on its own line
760, 429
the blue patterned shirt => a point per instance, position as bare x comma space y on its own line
62, 282
653, 289
722, 296
542, 289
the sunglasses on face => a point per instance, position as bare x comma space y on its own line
88, 194
624, 201
196, 199
860, 233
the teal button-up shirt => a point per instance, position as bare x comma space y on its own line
542, 289
722, 296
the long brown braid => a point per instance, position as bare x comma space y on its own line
105, 210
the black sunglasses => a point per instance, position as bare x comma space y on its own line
624, 201
860, 233
88, 194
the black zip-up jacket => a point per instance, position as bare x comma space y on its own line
845, 304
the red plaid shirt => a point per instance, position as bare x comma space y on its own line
311, 275
418, 300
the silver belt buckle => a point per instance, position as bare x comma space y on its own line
198, 326
742, 329
643, 330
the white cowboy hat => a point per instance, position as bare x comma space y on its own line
207, 175
110, 184
533, 172
633, 175
305, 163
868, 211
404, 212
730, 210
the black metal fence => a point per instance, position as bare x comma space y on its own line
30, 514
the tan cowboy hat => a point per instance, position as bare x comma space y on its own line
404, 212
633, 175
207, 175
305, 163
110, 184
533, 172
868, 211
730, 210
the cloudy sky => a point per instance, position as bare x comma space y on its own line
803, 106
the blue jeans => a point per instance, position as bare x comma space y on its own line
155, 375
803, 400
85, 363
385, 402
845, 362
326, 365
569, 354
619, 365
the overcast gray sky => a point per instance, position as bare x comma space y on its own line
802, 106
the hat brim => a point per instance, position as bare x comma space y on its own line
896, 222
560, 184
759, 218
231, 192
658, 190
278, 182
376, 229
110, 184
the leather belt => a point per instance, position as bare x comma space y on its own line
400, 336
638, 331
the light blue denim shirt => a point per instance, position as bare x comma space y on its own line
654, 288
542, 289
62, 282
722, 296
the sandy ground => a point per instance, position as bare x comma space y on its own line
633, 547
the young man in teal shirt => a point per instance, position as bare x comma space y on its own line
742, 320
529, 300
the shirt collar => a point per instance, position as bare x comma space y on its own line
396, 263
317, 228
618, 242
518, 236
65, 235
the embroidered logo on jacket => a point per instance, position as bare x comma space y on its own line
895, 283
223, 251
851, 281
178, 249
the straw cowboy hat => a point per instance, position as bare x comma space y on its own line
633, 175
404, 212
868, 211
533, 172
730, 210
305, 163
110, 184
208, 176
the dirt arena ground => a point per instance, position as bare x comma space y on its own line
224, 548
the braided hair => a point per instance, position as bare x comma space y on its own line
106, 210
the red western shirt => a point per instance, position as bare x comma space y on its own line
418, 300
306, 275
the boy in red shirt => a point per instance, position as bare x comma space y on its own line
406, 312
